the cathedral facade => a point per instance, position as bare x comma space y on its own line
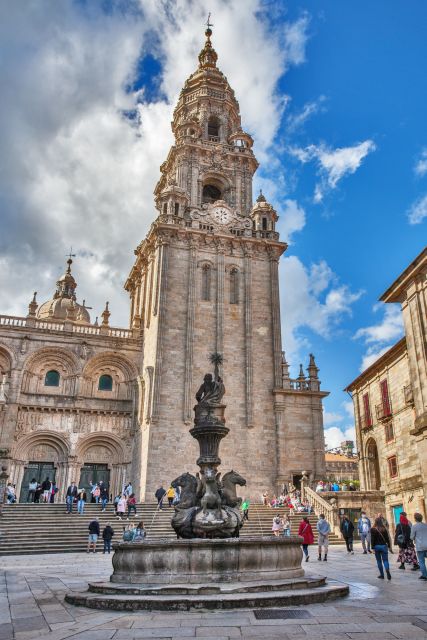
87, 401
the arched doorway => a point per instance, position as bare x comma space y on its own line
103, 458
373, 465
42, 455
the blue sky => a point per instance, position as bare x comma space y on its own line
334, 94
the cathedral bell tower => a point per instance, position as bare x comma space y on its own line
205, 280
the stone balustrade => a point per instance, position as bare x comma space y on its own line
73, 327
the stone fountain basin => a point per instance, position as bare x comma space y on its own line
201, 561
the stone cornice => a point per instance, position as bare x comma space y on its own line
397, 291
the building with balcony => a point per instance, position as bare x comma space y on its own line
390, 404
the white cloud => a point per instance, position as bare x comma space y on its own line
311, 298
334, 436
292, 219
333, 164
297, 120
348, 408
73, 169
418, 211
420, 168
331, 417
380, 337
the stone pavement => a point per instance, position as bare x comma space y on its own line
32, 589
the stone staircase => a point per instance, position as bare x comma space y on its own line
47, 528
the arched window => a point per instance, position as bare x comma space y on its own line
211, 193
213, 128
165, 208
51, 379
206, 282
105, 382
264, 224
234, 286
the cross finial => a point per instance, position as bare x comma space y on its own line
208, 22
71, 254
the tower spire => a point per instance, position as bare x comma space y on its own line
208, 56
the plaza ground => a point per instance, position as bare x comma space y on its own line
32, 590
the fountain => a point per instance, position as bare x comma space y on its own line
208, 565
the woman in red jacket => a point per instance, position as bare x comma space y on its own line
306, 533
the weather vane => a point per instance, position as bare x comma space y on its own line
208, 23
71, 254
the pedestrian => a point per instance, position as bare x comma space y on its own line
32, 488
128, 489
46, 487
402, 538
170, 494
160, 494
131, 504
419, 537
347, 530
364, 529
81, 501
245, 509
53, 491
383, 520
10, 493
38, 493
306, 532
323, 531
96, 492
103, 496
139, 532
121, 506
277, 525
286, 526
116, 502
381, 543
264, 498
93, 535
107, 535
70, 496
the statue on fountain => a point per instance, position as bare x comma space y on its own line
209, 506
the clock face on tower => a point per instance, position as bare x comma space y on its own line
221, 215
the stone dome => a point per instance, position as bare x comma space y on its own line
57, 309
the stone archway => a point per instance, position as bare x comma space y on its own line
102, 456
39, 455
373, 466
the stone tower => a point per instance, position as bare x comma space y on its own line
205, 280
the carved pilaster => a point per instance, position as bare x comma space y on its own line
248, 338
220, 299
275, 312
189, 338
160, 329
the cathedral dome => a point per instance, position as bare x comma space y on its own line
62, 309
63, 305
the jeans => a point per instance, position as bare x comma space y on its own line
104, 503
107, 546
131, 507
305, 549
366, 541
349, 543
70, 504
422, 555
80, 506
287, 533
381, 556
31, 494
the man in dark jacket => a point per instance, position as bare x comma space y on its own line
107, 534
103, 495
160, 493
347, 529
93, 534
70, 496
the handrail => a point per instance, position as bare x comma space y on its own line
320, 505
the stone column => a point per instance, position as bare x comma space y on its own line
248, 337
160, 329
275, 306
144, 297
189, 338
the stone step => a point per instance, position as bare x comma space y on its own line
173, 602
